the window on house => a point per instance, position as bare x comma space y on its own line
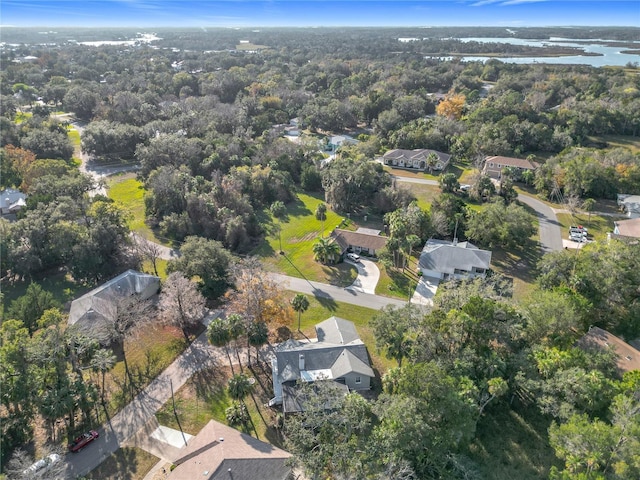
358, 380
491, 165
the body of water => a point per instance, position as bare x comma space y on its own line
607, 56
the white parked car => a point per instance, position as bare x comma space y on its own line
43, 464
578, 237
353, 257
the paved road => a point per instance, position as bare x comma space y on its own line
165, 253
97, 171
422, 181
134, 416
328, 293
550, 232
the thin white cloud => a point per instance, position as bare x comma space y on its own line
518, 2
482, 3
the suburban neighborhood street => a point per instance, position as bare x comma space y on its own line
549, 228
550, 232
134, 416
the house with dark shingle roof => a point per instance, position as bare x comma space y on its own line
361, 241
453, 260
418, 159
219, 452
337, 353
493, 165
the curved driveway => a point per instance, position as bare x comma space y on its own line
549, 228
368, 276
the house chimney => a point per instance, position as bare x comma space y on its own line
301, 361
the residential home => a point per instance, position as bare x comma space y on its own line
627, 229
363, 240
89, 312
420, 159
627, 357
453, 260
337, 353
630, 204
337, 141
493, 165
12, 201
219, 452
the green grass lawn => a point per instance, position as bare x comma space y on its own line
126, 463
128, 192
622, 141
300, 229
513, 444
425, 194
597, 225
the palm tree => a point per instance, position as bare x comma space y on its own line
257, 335
239, 387
321, 214
325, 250
235, 323
219, 336
300, 303
432, 161
103, 361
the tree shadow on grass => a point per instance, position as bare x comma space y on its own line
340, 275
297, 208
325, 300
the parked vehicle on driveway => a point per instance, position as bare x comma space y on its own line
353, 257
83, 440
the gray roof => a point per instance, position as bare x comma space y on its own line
337, 352
98, 303
337, 331
417, 154
631, 202
444, 257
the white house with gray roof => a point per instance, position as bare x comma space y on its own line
453, 260
337, 353
420, 158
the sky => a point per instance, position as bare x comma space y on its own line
302, 13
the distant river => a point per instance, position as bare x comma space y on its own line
608, 56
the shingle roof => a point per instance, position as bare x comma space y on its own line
337, 331
337, 352
444, 257
628, 228
513, 162
347, 363
344, 238
98, 304
218, 450
417, 154
628, 358
631, 202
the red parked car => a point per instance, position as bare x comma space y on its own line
83, 440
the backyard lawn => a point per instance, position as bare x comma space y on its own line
597, 225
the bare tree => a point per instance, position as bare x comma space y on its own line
181, 303
21, 466
124, 316
148, 251
257, 297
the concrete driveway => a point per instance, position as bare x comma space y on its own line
425, 291
368, 276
